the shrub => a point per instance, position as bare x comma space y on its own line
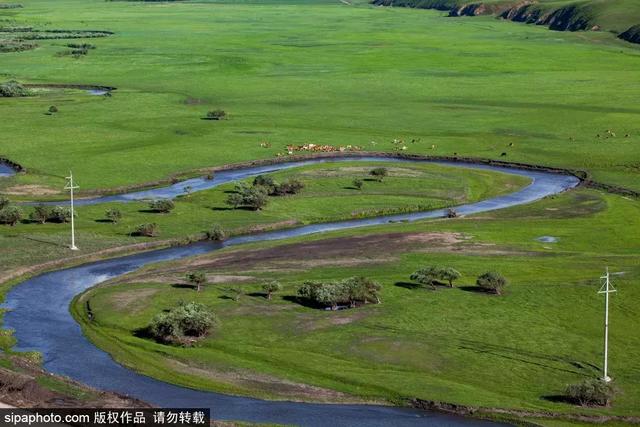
429, 275
492, 282
60, 214
216, 115
349, 291
591, 392
162, 205
53, 109
146, 230
10, 215
290, 186
451, 213
41, 214
186, 320
13, 89
4, 202
271, 287
114, 215
264, 181
197, 279
216, 233
357, 184
379, 173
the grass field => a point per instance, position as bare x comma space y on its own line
471, 86
515, 351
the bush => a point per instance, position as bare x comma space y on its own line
451, 213
53, 109
357, 184
492, 282
216, 233
146, 230
12, 89
4, 202
379, 173
162, 205
264, 181
591, 392
10, 215
429, 275
290, 186
186, 320
60, 214
114, 215
216, 115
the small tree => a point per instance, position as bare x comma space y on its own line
450, 275
236, 293
591, 392
162, 205
197, 279
216, 233
271, 287
41, 213
264, 181
492, 282
114, 215
186, 320
290, 186
379, 173
235, 200
426, 276
357, 184
146, 230
53, 109
216, 115
4, 202
452, 213
10, 215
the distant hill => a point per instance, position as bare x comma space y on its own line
621, 17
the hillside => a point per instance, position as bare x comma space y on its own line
621, 17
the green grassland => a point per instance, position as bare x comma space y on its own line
454, 345
472, 86
328, 196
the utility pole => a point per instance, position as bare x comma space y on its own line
606, 289
70, 186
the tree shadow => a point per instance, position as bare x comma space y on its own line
258, 295
183, 286
302, 301
558, 398
144, 333
154, 211
409, 285
104, 221
475, 290
239, 208
352, 188
47, 242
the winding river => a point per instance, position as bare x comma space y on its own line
40, 316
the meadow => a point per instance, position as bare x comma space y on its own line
473, 86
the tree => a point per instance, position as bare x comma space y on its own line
10, 215
236, 293
147, 230
357, 184
4, 202
13, 89
216, 115
114, 215
379, 173
186, 320
492, 282
591, 392
41, 214
360, 288
235, 200
251, 197
426, 276
451, 213
450, 275
271, 287
216, 233
53, 109
197, 279
162, 205
290, 186
264, 181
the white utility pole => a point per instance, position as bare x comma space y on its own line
606, 289
70, 186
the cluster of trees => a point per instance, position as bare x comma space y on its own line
183, 323
491, 281
591, 392
256, 196
351, 291
13, 89
9, 214
150, 229
43, 213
